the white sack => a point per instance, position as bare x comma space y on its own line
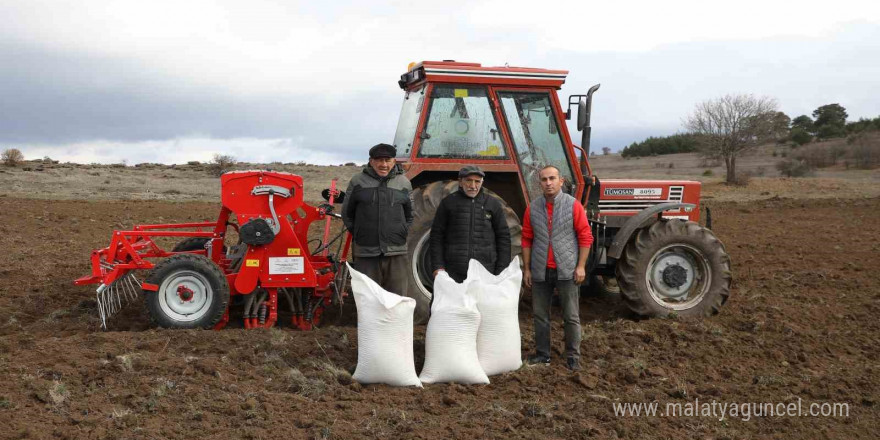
498, 339
385, 334
451, 338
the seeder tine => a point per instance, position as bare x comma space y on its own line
99, 294
113, 297
131, 292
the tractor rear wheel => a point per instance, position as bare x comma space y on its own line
193, 292
426, 199
674, 266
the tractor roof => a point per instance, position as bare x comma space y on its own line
474, 73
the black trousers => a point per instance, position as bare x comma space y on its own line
388, 272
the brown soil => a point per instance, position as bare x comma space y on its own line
801, 323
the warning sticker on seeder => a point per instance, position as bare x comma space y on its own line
286, 265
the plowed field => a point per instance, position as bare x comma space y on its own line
801, 326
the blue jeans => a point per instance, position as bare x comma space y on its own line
569, 295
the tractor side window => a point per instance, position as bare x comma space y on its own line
536, 137
461, 124
409, 120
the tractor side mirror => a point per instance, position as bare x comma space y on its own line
340, 197
582, 115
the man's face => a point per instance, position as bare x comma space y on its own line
382, 165
471, 184
551, 183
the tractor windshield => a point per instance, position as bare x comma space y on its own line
461, 124
536, 137
409, 120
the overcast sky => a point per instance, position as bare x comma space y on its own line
174, 81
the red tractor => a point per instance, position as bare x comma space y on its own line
191, 287
510, 122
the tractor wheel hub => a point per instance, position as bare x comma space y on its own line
674, 276
185, 293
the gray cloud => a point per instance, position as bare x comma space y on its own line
54, 97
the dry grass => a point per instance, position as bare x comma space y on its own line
848, 177
298, 383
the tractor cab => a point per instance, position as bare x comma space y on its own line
507, 120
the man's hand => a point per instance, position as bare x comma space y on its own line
438, 271
527, 277
580, 274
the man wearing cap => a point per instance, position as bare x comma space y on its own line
378, 213
469, 224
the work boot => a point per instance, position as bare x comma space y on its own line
573, 364
538, 360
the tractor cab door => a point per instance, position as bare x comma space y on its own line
532, 119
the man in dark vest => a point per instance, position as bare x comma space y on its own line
469, 224
556, 240
378, 213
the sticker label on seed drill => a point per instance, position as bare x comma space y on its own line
292, 251
286, 265
461, 93
252, 263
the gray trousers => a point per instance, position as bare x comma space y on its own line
388, 272
542, 294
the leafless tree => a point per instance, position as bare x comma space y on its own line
12, 157
221, 164
728, 126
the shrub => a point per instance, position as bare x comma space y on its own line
606, 151
799, 136
708, 173
793, 168
866, 155
816, 156
350, 164
221, 164
12, 157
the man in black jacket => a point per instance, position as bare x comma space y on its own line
469, 224
378, 213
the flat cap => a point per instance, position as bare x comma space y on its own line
467, 170
382, 150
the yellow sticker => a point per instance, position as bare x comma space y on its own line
252, 263
292, 251
492, 150
461, 93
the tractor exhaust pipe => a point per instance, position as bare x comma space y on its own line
585, 110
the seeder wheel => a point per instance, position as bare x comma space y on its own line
193, 293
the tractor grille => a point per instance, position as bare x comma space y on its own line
676, 193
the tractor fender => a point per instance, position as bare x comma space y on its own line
640, 220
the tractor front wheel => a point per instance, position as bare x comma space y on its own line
193, 293
674, 266
425, 200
